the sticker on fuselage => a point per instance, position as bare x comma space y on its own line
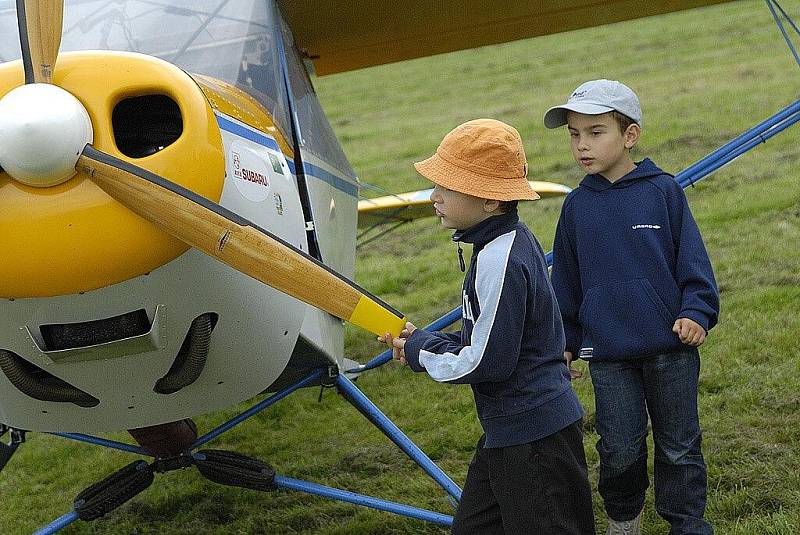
250, 169
276, 163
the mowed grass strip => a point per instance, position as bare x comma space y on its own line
703, 77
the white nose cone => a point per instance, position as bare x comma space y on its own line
43, 130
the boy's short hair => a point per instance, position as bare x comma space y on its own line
622, 120
594, 98
484, 158
508, 206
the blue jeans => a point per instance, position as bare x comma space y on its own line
665, 386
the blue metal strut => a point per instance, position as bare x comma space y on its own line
360, 401
255, 409
772, 4
382, 422
58, 524
360, 499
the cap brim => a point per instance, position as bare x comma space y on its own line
440, 171
557, 115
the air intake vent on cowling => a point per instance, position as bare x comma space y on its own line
191, 359
59, 336
39, 384
145, 125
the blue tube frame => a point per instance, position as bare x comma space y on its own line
366, 501
710, 165
255, 409
382, 422
772, 4
703, 167
58, 524
97, 441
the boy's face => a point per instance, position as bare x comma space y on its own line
460, 211
599, 146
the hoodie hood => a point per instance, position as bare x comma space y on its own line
644, 169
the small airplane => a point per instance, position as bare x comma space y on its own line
128, 186
177, 219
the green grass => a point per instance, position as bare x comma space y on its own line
703, 77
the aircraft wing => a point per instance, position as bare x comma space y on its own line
350, 34
417, 204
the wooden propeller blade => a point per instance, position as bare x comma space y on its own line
40, 24
238, 242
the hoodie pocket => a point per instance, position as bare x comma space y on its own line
487, 402
626, 319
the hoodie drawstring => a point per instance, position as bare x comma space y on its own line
461, 257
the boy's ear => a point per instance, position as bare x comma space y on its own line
631, 135
490, 205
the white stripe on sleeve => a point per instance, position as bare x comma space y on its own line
489, 278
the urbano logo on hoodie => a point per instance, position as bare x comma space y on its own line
637, 227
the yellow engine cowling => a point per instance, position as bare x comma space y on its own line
73, 237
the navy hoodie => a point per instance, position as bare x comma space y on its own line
511, 344
628, 260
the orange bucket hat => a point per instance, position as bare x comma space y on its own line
483, 158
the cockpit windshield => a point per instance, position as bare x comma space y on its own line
231, 40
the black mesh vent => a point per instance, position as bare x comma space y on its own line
59, 336
191, 359
39, 384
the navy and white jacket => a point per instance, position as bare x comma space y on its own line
511, 344
628, 260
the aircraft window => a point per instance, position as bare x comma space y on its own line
145, 125
230, 40
316, 132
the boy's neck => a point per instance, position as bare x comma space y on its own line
480, 219
619, 170
487, 230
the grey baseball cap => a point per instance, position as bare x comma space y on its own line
596, 97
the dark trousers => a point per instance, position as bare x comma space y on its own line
665, 386
538, 488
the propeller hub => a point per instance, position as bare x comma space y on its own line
43, 130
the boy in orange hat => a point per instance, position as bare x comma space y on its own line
528, 474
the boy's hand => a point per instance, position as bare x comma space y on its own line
410, 328
398, 350
690, 332
573, 374
398, 344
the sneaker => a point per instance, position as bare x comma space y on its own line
625, 527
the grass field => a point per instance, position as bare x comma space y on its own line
703, 77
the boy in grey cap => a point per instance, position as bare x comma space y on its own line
637, 297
